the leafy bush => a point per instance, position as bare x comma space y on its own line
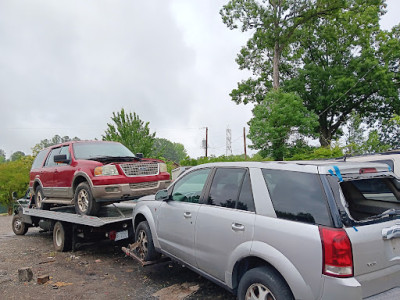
14, 177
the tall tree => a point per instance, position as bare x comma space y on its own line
169, 150
355, 136
275, 121
337, 60
131, 131
389, 132
2, 156
50, 142
348, 65
17, 155
275, 24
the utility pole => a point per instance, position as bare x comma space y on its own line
228, 142
206, 140
244, 142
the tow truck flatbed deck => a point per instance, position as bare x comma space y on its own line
114, 221
109, 214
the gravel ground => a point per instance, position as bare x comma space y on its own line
95, 271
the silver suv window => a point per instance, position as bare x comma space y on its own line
231, 188
190, 187
297, 196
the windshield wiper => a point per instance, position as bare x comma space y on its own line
387, 213
113, 158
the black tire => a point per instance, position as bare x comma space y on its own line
19, 227
146, 249
85, 204
263, 283
62, 237
39, 196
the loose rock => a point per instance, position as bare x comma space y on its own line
25, 274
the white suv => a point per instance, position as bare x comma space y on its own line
280, 230
391, 158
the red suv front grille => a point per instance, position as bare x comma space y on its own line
139, 169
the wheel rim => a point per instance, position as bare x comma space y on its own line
259, 291
58, 237
142, 247
83, 200
39, 198
17, 225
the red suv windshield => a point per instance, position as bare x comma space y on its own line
95, 150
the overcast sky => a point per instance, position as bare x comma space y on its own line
66, 66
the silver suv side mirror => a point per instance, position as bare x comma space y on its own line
162, 195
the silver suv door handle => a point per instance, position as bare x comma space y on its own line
237, 227
187, 214
391, 232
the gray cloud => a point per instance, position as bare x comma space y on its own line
65, 66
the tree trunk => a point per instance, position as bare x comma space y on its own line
325, 137
275, 75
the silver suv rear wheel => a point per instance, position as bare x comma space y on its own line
263, 283
259, 291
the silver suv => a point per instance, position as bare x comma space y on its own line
278, 230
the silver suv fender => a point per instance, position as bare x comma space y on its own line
284, 266
143, 213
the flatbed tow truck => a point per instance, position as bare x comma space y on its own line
69, 229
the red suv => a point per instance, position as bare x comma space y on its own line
93, 173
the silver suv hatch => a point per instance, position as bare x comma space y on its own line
369, 201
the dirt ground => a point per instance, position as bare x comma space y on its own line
95, 271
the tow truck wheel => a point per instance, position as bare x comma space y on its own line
62, 237
145, 249
19, 227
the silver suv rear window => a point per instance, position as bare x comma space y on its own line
298, 196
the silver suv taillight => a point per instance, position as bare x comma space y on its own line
337, 252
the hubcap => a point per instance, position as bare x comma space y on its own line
39, 198
142, 248
83, 200
259, 291
17, 224
58, 237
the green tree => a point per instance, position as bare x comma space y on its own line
355, 136
50, 142
358, 142
168, 150
14, 177
275, 122
373, 144
338, 60
389, 132
348, 65
17, 155
132, 132
2, 156
275, 25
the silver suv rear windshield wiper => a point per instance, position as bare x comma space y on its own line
387, 213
